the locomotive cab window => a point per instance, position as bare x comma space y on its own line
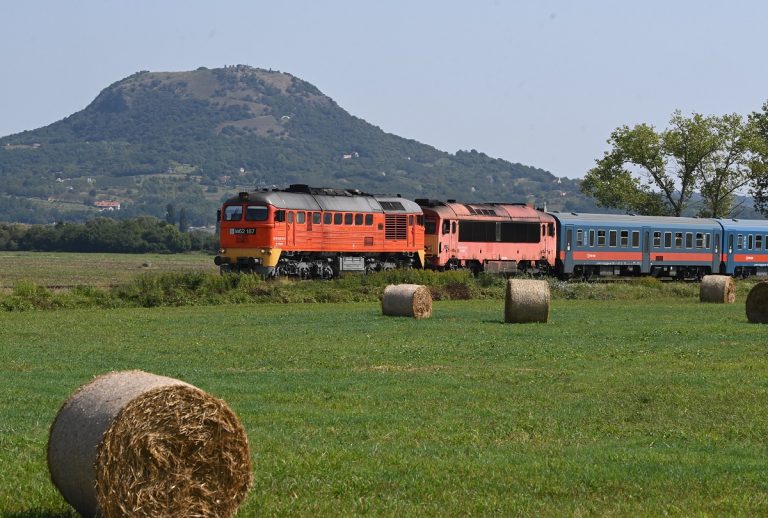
255, 213
290, 217
233, 213
430, 226
446, 227
300, 217
358, 219
369, 219
279, 216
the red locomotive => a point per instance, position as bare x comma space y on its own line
318, 233
493, 237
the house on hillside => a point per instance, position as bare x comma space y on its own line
107, 205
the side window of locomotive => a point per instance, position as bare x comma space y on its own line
254, 213
358, 219
233, 213
369, 219
446, 227
579, 237
327, 218
300, 218
635, 239
657, 239
279, 216
551, 229
316, 218
338, 218
290, 217
667, 239
419, 220
348, 218
410, 221
430, 226
688, 240
453, 227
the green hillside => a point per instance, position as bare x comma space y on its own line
190, 139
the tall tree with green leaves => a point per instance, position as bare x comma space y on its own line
653, 172
734, 165
759, 186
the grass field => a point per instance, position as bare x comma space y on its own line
69, 269
631, 408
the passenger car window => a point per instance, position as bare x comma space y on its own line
601, 238
667, 239
579, 237
657, 239
624, 238
635, 239
688, 240
612, 238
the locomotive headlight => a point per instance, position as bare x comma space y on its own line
222, 251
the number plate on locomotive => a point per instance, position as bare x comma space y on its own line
241, 231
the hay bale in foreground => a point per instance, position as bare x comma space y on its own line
526, 301
757, 303
717, 288
135, 444
407, 300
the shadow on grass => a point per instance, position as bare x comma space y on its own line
41, 513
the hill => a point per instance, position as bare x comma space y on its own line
186, 140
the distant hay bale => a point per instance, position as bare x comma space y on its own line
757, 303
526, 301
407, 300
717, 288
135, 444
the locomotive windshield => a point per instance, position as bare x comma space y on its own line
430, 226
256, 213
233, 213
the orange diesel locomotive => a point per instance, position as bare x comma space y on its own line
492, 237
318, 233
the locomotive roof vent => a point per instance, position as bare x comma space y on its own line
451, 201
243, 196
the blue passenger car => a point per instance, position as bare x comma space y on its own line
745, 247
592, 245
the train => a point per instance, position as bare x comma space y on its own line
310, 232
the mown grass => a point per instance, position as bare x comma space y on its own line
54, 270
637, 408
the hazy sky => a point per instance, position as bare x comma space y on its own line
542, 83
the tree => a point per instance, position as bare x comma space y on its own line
170, 213
759, 190
733, 165
183, 223
658, 173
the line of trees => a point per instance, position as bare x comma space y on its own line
145, 234
659, 172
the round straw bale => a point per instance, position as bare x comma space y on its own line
135, 444
717, 288
526, 301
407, 300
757, 303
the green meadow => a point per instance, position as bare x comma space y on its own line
640, 407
